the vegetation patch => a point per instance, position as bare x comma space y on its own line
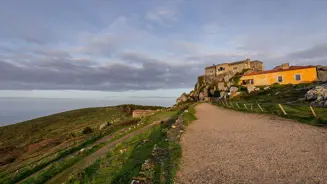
57, 136
136, 159
189, 115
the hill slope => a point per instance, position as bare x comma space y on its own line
36, 137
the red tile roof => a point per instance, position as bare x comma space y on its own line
279, 70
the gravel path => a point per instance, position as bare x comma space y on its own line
225, 146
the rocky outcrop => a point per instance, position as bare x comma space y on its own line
250, 89
182, 98
220, 86
317, 95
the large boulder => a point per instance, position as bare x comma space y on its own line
221, 86
317, 95
201, 96
229, 84
250, 89
212, 91
206, 99
182, 98
227, 77
233, 89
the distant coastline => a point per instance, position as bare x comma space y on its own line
14, 110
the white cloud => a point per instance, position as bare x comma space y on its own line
161, 16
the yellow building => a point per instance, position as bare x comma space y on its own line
282, 75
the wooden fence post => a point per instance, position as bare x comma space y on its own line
281, 107
238, 105
260, 107
15, 174
245, 107
222, 102
313, 112
231, 104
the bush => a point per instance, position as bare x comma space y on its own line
128, 122
216, 94
236, 80
87, 130
242, 88
320, 121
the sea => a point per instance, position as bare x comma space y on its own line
14, 110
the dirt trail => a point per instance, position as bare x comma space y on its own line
225, 146
87, 161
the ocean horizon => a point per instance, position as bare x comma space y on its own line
15, 110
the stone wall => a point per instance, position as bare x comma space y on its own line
282, 66
210, 71
222, 68
256, 65
239, 66
142, 113
234, 67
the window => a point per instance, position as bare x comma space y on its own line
221, 69
280, 78
249, 81
298, 77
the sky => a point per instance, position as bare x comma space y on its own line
100, 48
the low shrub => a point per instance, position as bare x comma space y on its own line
87, 130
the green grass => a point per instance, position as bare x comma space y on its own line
56, 168
299, 112
32, 168
63, 127
277, 94
190, 115
119, 167
290, 96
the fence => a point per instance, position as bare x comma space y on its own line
301, 112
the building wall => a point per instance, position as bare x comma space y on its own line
235, 67
222, 68
307, 75
210, 71
238, 67
142, 113
256, 65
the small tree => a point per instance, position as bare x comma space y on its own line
87, 130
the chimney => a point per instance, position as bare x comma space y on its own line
285, 66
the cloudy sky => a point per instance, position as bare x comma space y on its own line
159, 47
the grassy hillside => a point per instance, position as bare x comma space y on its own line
277, 94
30, 139
292, 98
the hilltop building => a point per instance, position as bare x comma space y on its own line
234, 67
282, 74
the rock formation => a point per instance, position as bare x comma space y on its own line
223, 86
318, 95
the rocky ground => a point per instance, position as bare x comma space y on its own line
225, 146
